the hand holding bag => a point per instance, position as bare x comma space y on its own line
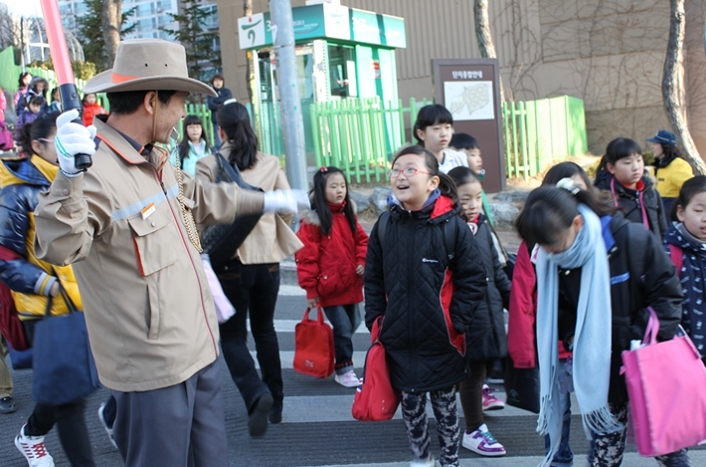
522, 386
64, 369
313, 346
224, 309
666, 384
376, 399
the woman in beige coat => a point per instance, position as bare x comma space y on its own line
250, 279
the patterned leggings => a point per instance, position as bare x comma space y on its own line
443, 402
607, 450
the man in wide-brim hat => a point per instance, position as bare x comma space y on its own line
128, 225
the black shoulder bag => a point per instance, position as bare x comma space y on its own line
221, 241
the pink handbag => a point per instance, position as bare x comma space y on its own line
224, 309
666, 383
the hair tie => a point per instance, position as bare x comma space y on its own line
230, 101
323, 169
567, 184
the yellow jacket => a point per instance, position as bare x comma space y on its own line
29, 278
672, 177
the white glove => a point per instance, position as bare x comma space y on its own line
286, 200
72, 139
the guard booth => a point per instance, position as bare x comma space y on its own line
342, 53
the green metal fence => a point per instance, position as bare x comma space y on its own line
540, 132
360, 136
10, 73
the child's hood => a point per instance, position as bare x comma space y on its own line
438, 207
678, 235
310, 216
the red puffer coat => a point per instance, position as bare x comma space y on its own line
326, 265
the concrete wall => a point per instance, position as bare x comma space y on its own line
610, 53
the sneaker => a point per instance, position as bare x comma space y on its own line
107, 429
423, 463
7, 405
257, 421
32, 447
348, 379
490, 402
482, 442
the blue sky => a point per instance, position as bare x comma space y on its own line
24, 7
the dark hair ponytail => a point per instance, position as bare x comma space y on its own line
41, 128
619, 148
446, 184
320, 205
689, 189
549, 210
233, 118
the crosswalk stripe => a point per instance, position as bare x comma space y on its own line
287, 325
322, 408
287, 358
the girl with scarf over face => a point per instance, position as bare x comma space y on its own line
597, 274
685, 242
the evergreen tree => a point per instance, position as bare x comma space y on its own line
91, 33
198, 41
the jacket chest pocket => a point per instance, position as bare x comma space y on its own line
156, 244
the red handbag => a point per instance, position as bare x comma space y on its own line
376, 399
313, 346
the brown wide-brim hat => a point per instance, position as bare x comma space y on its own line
147, 65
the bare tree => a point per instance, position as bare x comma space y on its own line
112, 21
673, 83
485, 40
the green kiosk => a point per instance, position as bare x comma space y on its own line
341, 53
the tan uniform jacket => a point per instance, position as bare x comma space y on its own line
271, 241
149, 310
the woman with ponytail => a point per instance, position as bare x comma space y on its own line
250, 279
597, 276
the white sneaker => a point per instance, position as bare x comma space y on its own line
423, 463
348, 379
32, 447
482, 442
105, 425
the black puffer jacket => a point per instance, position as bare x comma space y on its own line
641, 276
486, 338
629, 201
404, 281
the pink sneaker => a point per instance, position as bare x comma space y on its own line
490, 402
482, 442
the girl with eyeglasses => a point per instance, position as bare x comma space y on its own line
424, 275
330, 265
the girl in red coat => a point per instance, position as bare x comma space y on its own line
91, 108
331, 264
